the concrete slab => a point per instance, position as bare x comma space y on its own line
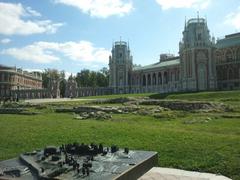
157, 173
49, 100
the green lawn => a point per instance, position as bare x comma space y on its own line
212, 95
213, 146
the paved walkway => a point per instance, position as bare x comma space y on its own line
157, 173
39, 101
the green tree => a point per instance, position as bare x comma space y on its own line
49, 74
83, 78
87, 78
103, 77
57, 75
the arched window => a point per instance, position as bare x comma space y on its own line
218, 57
159, 78
172, 76
149, 80
238, 54
230, 74
177, 75
229, 56
165, 77
199, 37
144, 80
154, 79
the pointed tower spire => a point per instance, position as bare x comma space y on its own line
113, 45
185, 26
198, 15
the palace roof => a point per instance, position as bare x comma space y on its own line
172, 62
229, 40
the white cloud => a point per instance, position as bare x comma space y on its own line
198, 4
32, 52
32, 12
14, 19
100, 8
5, 41
49, 52
34, 70
68, 74
233, 19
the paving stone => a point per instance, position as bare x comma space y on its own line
158, 173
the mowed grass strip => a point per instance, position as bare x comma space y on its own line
208, 147
209, 96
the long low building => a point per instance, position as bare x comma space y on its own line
12, 78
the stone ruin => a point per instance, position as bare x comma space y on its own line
170, 104
145, 106
105, 112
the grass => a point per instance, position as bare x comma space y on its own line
210, 96
212, 147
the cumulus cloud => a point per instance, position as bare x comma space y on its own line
198, 4
34, 70
100, 8
5, 41
68, 74
233, 19
15, 19
34, 53
49, 52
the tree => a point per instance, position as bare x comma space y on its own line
87, 78
49, 74
105, 77
83, 78
62, 87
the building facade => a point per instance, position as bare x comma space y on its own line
227, 55
15, 79
16, 83
120, 67
202, 64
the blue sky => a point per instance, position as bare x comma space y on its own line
74, 34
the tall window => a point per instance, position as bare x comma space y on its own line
229, 56
177, 75
199, 36
189, 65
172, 76
218, 57
165, 77
149, 80
238, 54
230, 74
154, 79
144, 80
159, 78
